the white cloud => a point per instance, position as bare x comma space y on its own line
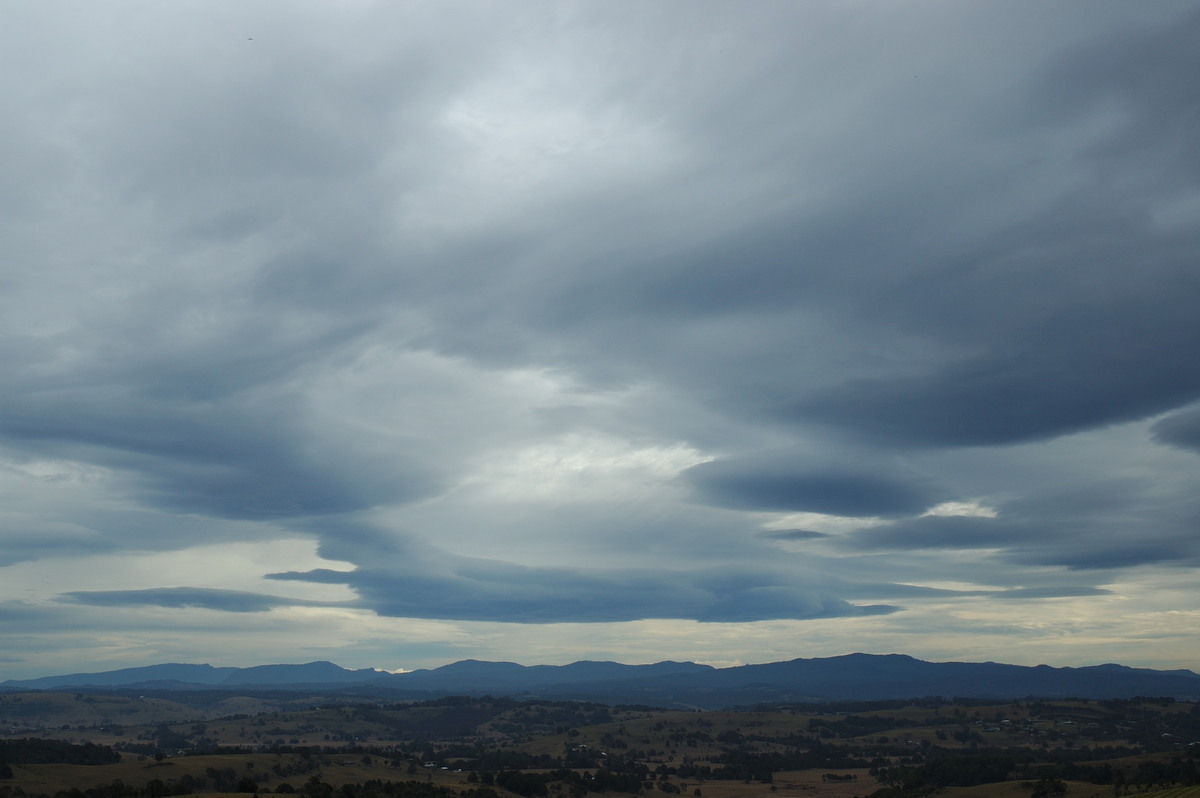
580, 467
970, 509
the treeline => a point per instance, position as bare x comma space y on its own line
1177, 771
32, 751
530, 785
536, 785
376, 788
313, 789
958, 770
119, 789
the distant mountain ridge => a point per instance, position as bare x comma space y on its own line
853, 677
202, 676
171, 672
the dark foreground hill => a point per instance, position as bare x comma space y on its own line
854, 677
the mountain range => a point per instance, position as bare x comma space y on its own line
853, 677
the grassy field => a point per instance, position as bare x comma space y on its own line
1174, 792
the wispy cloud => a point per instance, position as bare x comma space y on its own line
206, 598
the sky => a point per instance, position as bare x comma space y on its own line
400, 333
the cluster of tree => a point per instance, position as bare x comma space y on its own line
461, 716
553, 716
1070, 771
743, 763
858, 725
1045, 788
503, 759
444, 718
946, 770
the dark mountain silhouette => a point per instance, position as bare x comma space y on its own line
172, 672
854, 677
310, 673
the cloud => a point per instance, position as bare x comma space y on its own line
942, 532
1180, 429
793, 534
31, 540
786, 483
250, 457
1083, 527
1049, 388
206, 598
1060, 591
1110, 555
442, 585
690, 314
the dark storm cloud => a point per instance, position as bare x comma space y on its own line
1109, 524
205, 598
1135, 73
1109, 554
1180, 429
789, 484
1086, 368
1095, 526
1080, 312
1070, 310
463, 589
443, 585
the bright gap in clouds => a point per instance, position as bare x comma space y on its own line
963, 509
579, 467
238, 566
834, 524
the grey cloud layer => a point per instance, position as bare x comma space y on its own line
831, 247
781, 483
1180, 429
498, 591
223, 600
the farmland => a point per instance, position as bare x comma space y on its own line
155, 745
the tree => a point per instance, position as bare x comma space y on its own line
1048, 787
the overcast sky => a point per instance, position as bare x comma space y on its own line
399, 333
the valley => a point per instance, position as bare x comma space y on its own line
329, 745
